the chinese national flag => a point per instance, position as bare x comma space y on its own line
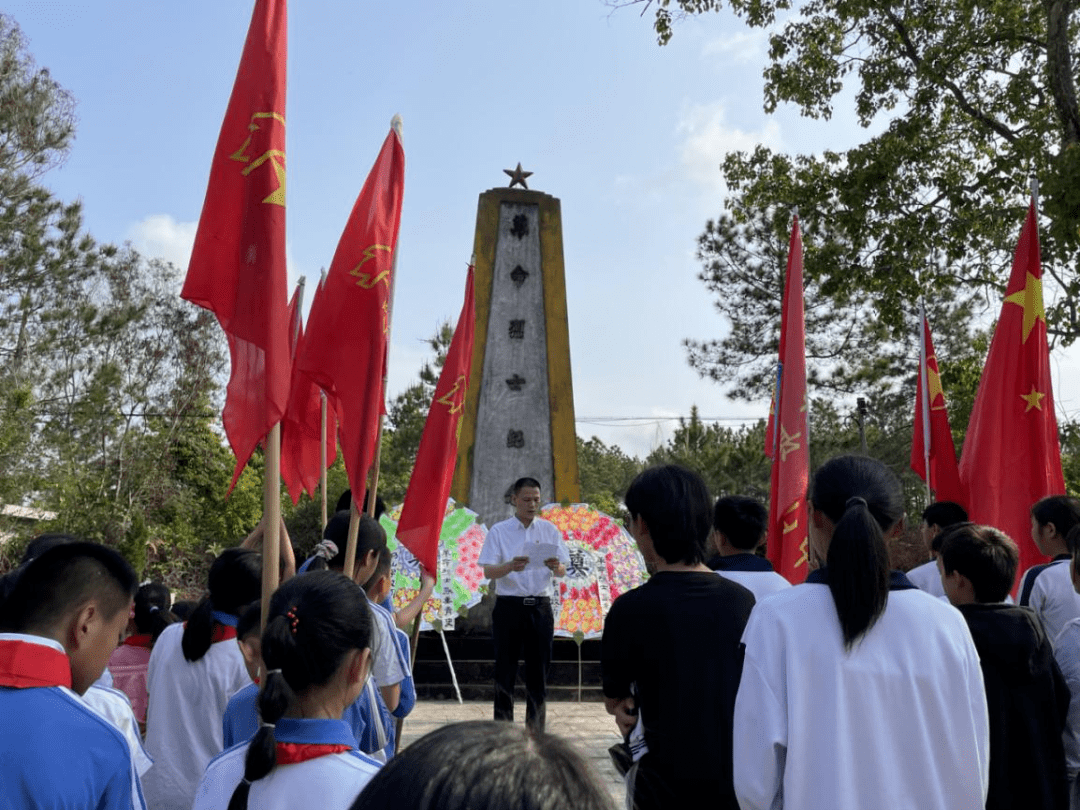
425, 501
1011, 455
932, 438
790, 430
345, 348
301, 428
237, 267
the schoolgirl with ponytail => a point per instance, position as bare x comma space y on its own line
858, 689
317, 651
195, 667
128, 665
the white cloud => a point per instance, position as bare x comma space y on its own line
159, 236
740, 47
707, 137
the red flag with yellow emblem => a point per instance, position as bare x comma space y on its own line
429, 486
1011, 455
237, 267
933, 454
790, 431
345, 347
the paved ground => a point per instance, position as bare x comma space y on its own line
586, 725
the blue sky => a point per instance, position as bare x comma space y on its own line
627, 134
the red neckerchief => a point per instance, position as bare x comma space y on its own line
222, 632
24, 664
138, 640
291, 753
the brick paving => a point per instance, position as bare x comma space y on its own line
587, 725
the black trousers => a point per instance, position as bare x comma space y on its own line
522, 624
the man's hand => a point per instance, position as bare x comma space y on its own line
519, 563
557, 568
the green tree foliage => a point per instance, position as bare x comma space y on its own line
978, 97
605, 472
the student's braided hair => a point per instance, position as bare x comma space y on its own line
314, 621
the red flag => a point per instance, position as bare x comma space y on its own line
237, 267
301, 427
787, 545
429, 486
348, 329
932, 438
1011, 454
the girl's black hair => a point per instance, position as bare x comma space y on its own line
248, 623
152, 614
675, 505
486, 765
370, 536
863, 499
235, 580
1061, 510
314, 621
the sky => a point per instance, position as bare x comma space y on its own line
627, 134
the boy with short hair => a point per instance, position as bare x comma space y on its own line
936, 518
739, 526
1026, 694
64, 615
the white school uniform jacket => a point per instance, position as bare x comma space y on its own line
183, 719
927, 577
754, 573
115, 706
330, 782
900, 721
1067, 655
1048, 590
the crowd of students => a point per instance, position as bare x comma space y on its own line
732, 688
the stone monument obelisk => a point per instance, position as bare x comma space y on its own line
519, 410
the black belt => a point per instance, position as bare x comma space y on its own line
528, 600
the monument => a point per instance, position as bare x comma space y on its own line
519, 410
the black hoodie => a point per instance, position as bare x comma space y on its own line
1028, 703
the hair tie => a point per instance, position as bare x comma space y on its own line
154, 609
327, 549
855, 501
268, 725
272, 671
293, 619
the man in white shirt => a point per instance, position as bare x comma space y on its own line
520, 556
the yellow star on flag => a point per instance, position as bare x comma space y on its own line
1033, 399
1031, 299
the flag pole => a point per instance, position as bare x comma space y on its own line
373, 490
272, 514
924, 405
322, 457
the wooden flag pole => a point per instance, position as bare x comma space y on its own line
924, 405
272, 515
350, 543
322, 458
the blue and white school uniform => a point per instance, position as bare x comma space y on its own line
1067, 655
241, 719
899, 720
1048, 590
115, 706
55, 751
187, 700
754, 573
330, 781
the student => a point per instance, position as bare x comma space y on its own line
937, 517
1067, 654
316, 648
1047, 588
1025, 693
486, 765
61, 618
858, 689
241, 718
194, 669
676, 640
739, 526
128, 665
377, 588
386, 667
